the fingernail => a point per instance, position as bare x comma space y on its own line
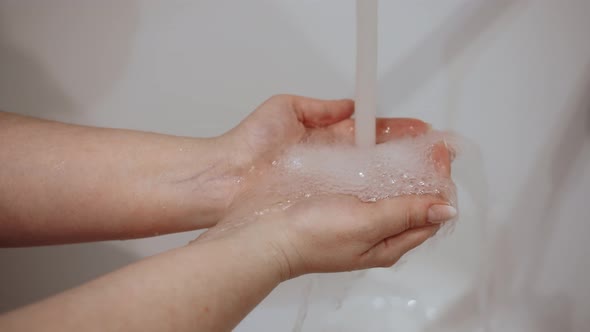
441, 213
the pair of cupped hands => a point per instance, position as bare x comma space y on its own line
327, 233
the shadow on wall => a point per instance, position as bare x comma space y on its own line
57, 57
85, 44
519, 258
31, 274
522, 254
27, 88
247, 69
445, 45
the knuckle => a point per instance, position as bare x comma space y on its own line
275, 99
414, 215
368, 230
390, 261
408, 218
280, 98
366, 224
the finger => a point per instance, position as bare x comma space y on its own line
441, 156
396, 215
343, 131
395, 128
390, 250
321, 113
387, 128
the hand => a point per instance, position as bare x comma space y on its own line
333, 232
285, 120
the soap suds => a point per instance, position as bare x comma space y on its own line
320, 166
400, 167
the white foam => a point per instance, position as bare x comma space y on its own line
395, 168
320, 166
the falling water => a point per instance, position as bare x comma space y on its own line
366, 72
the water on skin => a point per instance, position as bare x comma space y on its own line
370, 172
404, 166
395, 168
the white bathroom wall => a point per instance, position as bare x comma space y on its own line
513, 76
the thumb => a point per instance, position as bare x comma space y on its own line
396, 215
390, 250
321, 113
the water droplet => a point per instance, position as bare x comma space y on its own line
412, 303
296, 163
361, 174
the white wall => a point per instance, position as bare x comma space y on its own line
511, 75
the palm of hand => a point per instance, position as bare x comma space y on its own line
274, 127
284, 120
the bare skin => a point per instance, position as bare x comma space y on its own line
71, 184
61, 183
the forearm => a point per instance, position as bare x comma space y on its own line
64, 183
207, 286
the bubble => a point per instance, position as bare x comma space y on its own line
400, 167
391, 169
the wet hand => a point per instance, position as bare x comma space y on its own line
328, 233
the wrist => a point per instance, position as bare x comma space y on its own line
246, 253
198, 181
212, 179
265, 241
